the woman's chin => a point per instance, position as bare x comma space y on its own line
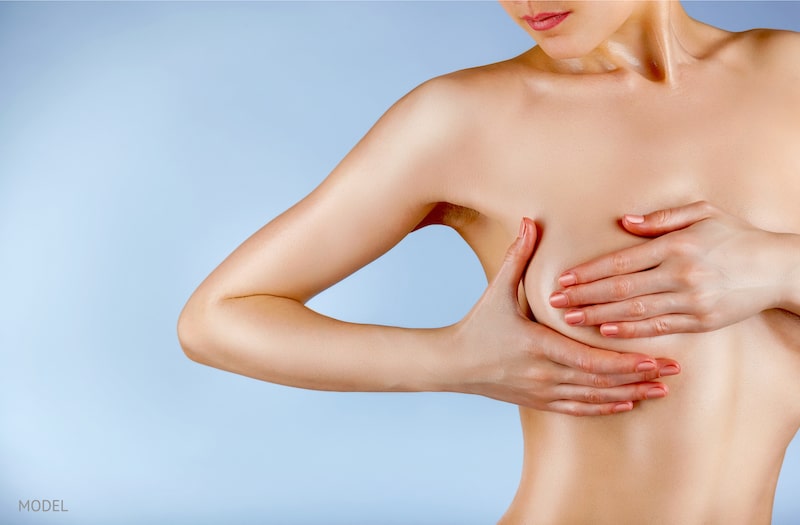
564, 50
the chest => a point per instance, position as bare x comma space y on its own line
578, 167
572, 162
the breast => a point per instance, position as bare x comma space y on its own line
570, 239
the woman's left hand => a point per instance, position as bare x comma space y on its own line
704, 270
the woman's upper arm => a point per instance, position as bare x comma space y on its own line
375, 196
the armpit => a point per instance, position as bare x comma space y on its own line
447, 214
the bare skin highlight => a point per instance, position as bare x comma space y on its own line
630, 186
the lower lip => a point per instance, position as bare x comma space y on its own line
547, 23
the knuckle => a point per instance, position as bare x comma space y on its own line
681, 245
584, 362
593, 397
606, 410
637, 309
709, 320
600, 381
572, 297
680, 248
691, 277
539, 375
564, 408
701, 304
661, 326
512, 253
574, 410
621, 288
640, 392
649, 376
662, 217
621, 262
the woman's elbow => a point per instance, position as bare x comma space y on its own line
191, 335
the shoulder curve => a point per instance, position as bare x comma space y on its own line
423, 138
450, 105
776, 46
780, 37
461, 85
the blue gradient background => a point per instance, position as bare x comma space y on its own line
140, 143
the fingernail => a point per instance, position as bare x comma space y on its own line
567, 279
669, 370
574, 317
634, 219
558, 300
646, 366
623, 407
609, 329
522, 226
656, 393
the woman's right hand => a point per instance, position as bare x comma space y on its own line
506, 356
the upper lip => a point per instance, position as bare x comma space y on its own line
543, 16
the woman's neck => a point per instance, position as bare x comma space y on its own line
652, 44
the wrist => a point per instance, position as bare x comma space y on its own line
431, 360
445, 368
459, 370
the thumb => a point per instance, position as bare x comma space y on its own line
668, 220
516, 260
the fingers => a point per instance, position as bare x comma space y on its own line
597, 395
636, 309
668, 220
644, 256
577, 408
612, 289
597, 361
516, 260
644, 316
577, 400
619, 394
665, 368
627, 261
661, 325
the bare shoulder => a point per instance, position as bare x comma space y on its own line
443, 114
452, 94
778, 54
776, 40
767, 63
774, 50
421, 133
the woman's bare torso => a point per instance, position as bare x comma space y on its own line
576, 152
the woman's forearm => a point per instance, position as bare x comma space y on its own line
279, 340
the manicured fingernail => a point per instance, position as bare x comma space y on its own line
609, 329
522, 228
567, 279
558, 300
574, 317
656, 393
646, 366
623, 407
669, 370
634, 219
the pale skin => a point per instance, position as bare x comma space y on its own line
653, 283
